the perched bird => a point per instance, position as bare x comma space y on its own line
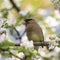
33, 31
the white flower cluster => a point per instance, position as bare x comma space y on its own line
11, 22
27, 44
21, 55
2, 20
2, 38
7, 4
24, 13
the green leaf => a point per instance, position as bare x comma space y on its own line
20, 49
11, 30
35, 52
58, 35
31, 52
5, 45
52, 14
59, 44
6, 54
51, 42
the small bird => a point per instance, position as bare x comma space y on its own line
33, 31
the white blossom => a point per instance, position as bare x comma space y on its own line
2, 29
57, 14
21, 55
57, 49
11, 38
18, 2
21, 29
24, 13
57, 39
25, 42
40, 58
7, 4
11, 22
56, 52
2, 20
51, 47
2, 38
51, 21
41, 51
0, 56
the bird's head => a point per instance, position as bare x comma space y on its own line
28, 21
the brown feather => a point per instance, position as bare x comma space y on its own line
34, 31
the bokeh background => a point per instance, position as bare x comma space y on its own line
47, 15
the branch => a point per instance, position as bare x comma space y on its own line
41, 44
38, 44
17, 32
20, 36
59, 7
14, 55
14, 5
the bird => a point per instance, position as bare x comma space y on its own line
33, 30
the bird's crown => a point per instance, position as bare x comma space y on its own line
29, 19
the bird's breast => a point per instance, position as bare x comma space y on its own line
35, 37
34, 33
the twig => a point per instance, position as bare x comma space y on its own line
14, 5
59, 7
41, 44
14, 55
38, 44
17, 32
20, 36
